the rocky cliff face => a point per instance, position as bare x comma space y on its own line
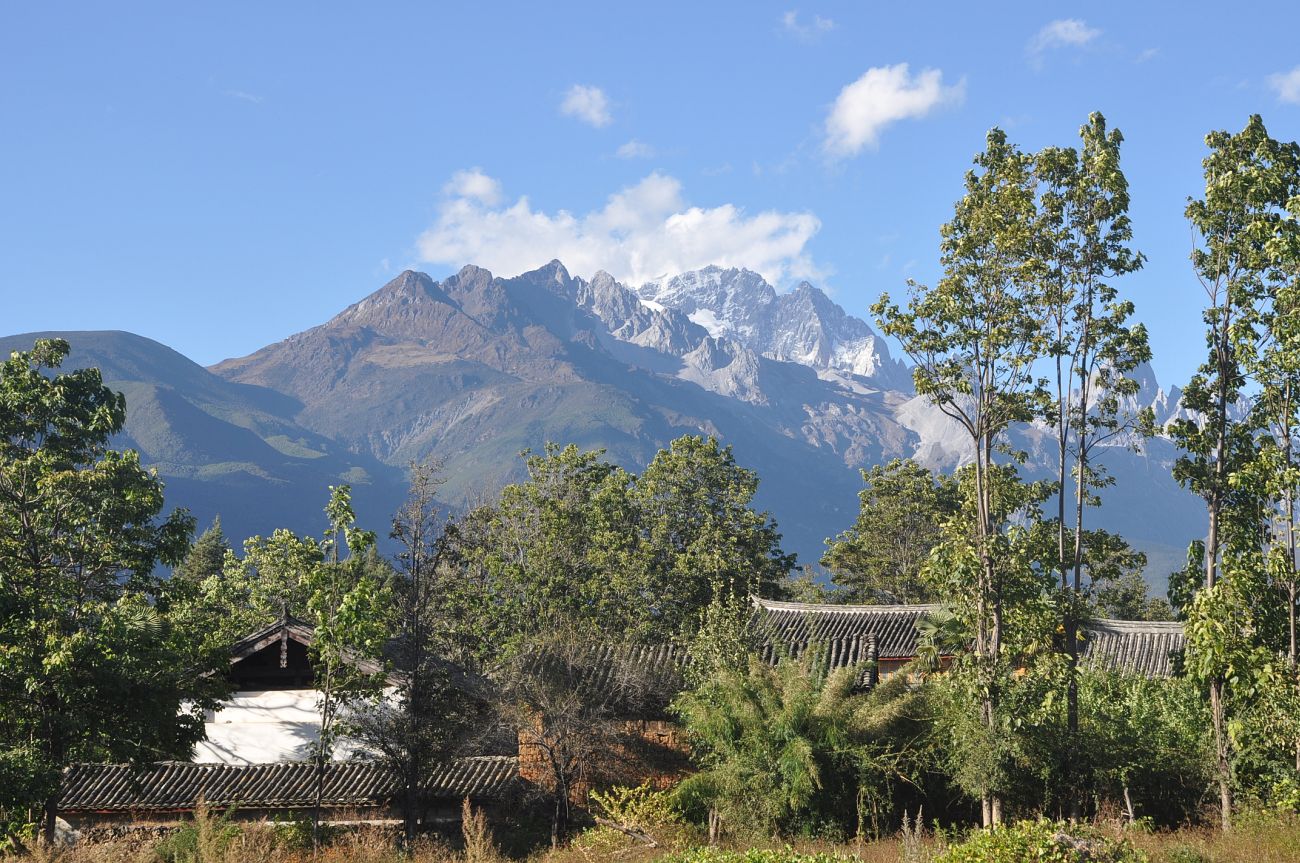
803, 326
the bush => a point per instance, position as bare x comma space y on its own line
753, 855
1041, 842
203, 840
637, 808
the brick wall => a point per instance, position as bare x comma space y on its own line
648, 749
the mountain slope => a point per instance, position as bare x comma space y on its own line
475, 368
220, 447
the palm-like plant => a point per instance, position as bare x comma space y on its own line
791, 747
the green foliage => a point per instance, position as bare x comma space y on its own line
1141, 742
753, 855
205, 839
902, 509
583, 542
794, 749
699, 530
724, 641
293, 832
640, 807
1115, 586
1020, 549
207, 557
1247, 243
92, 664
1041, 842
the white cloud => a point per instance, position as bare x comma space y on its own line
1286, 85
588, 104
642, 232
1061, 33
474, 185
806, 31
243, 96
882, 96
635, 149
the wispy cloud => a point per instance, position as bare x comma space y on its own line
635, 149
805, 31
243, 96
1286, 85
882, 96
588, 104
642, 232
1061, 33
1148, 54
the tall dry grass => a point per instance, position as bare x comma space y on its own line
1256, 841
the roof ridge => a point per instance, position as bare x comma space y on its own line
1135, 625
785, 605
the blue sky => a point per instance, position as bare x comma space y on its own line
218, 179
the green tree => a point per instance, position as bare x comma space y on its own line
1115, 586
350, 610
91, 667
255, 590
700, 533
555, 550
582, 542
419, 728
902, 509
983, 747
1275, 370
1249, 179
1085, 241
974, 340
207, 557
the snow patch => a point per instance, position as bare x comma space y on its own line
710, 321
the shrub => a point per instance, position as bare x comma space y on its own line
474, 827
637, 808
203, 840
1040, 842
753, 855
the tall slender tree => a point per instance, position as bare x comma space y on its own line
1249, 179
350, 609
419, 728
974, 339
1276, 372
1086, 236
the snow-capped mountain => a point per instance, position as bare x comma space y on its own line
474, 368
802, 326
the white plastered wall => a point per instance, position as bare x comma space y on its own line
265, 727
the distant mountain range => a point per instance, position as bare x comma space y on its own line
476, 368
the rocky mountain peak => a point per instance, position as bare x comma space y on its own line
803, 326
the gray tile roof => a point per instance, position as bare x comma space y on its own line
172, 786
1140, 646
844, 629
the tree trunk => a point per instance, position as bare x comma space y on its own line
1215, 501
1221, 752
49, 820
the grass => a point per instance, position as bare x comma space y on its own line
1255, 841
